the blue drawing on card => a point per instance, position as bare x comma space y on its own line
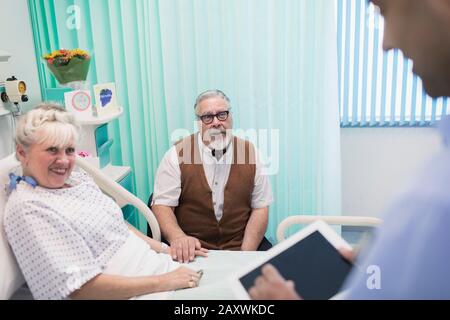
105, 96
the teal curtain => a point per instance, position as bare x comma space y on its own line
276, 60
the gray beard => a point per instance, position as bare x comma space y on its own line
218, 141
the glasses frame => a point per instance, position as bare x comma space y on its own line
202, 118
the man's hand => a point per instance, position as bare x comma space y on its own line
186, 248
272, 286
349, 255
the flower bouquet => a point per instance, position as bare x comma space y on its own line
68, 65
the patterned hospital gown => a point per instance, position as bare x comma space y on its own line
62, 238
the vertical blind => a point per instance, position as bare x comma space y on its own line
377, 88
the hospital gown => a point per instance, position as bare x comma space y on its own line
62, 238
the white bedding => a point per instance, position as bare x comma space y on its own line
217, 267
214, 283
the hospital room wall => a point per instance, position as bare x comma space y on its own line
16, 38
376, 162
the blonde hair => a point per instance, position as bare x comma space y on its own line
50, 123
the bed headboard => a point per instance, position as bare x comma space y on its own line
10, 276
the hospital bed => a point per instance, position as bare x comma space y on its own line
354, 221
217, 267
219, 264
11, 278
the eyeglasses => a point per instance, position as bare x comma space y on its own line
209, 118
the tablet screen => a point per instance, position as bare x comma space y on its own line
315, 266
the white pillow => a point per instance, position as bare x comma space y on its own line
11, 277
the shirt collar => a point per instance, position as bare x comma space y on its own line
14, 180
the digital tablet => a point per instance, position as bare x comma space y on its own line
310, 258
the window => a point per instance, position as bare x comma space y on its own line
377, 88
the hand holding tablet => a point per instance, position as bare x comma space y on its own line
310, 258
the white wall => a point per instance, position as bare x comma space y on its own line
378, 162
16, 38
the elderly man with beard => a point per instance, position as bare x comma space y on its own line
210, 190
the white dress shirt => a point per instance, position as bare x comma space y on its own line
168, 179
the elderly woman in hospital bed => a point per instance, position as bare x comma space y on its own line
69, 239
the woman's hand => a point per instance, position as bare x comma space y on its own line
180, 278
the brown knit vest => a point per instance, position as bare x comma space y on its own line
195, 211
